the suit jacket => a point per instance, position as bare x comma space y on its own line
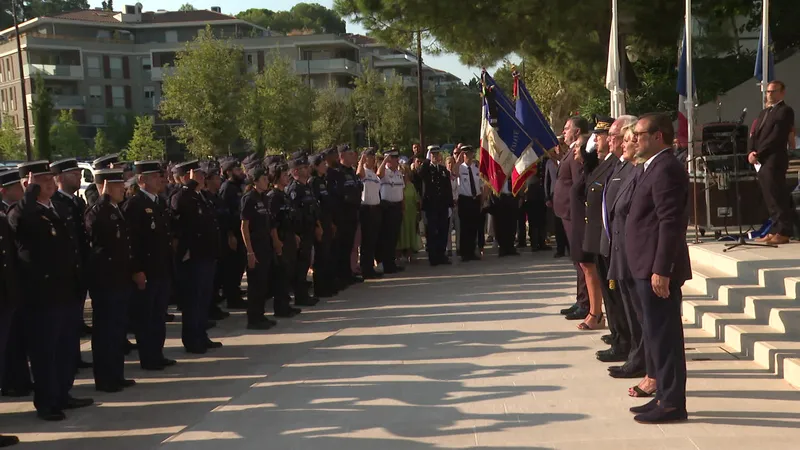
568, 173
550, 176
9, 283
655, 229
151, 243
619, 178
77, 209
771, 133
110, 258
617, 210
595, 185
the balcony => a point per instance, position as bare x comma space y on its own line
54, 71
395, 60
62, 101
157, 73
317, 66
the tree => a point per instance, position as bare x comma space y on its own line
309, 16
11, 146
186, 7
107, 6
42, 115
119, 128
394, 110
102, 145
65, 137
366, 102
205, 91
144, 145
333, 118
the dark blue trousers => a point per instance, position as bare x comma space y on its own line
6, 317
149, 310
16, 374
110, 322
52, 331
436, 233
663, 340
196, 288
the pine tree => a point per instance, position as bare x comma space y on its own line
144, 145
102, 145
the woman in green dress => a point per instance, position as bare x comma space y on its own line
409, 241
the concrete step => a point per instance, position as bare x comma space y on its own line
791, 371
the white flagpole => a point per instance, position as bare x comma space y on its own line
764, 52
612, 71
689, 86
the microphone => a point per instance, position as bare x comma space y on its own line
744, 114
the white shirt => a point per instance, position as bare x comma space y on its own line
372, 185
607, 156
71, 197
149, 195
463, 180
649, 160
454, 187
392, 186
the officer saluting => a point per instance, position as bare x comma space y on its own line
10, 188
148, 221
9, 296
110, 285
43, 236
92, 192
345, 187
308, 227
437, 199
324, 276
195, 227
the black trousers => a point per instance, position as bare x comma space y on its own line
772, 179
663, 338
561, 236
6, 319
370, 228
149, 311
52, 330
110, 319
282, 274
301, 266
343, 242
196, 286
16, 373
536, 214
436, 233
324, 275
391, 221
582, 297
469, 214
505, 222
637, 358
258, 279
233, 265
615, 310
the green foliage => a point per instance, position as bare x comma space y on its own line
366, 100
119, 128
11, 146
42, 115
65, 137
464, 115
308, 16
186, 7
394, 110
205, 91
144, 145
333, 118
107, 5
102, 145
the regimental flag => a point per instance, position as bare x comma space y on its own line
502, 139
758, 73
537, 128
683, 96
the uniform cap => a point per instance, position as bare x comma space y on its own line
145, 167
316, 160
434, 148
64, 165
109, 175
210, 167
343, 148
298, 162
33, 167
104, 162
369, 151
228, 164
255, 173
603, 125
186, 167
466, 148
9, 177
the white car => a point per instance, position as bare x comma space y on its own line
87, 178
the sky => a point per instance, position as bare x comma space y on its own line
448, 62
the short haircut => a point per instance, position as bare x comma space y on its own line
581, 123
779, 83
660, 122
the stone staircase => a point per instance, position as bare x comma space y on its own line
749, 299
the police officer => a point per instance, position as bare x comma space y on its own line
215, 202
233, 252
9, 297
504, 208
369, 213
308, 226
111, 284
10, 189
152, 263
284, 238
324, 277
194, 224
92, 192
345, 186
391, 195
43, 236
255, 231
437, 203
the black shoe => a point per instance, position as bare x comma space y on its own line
261, 326
125, 383
166, 362
213, 344
606, 339
578, 314
371, 275
75, 403
110, 388
8, 441
558, 255
288, 314
310, 301
84, 365
53, 415
612, 355
393, 269
210, 324
218, 314
522, 245
169, 318
325, 293
570, 310
624, 373
446, 261
196, 351
358, 279
17, 392
128, 347
544, 247
649, 406
660, 415
236, 304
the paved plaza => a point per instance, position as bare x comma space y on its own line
474, 355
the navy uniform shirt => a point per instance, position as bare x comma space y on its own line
110, 257
436, 187
319, 187
9, 283
254, 211
281, 214
231, 194
194, 224
77, 209
148, 221
305, 205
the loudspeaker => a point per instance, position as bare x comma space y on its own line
717, 139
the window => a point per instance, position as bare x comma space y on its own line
95, 92
93, 63
115, 63
9, 76
98, 119
171, 36
149, 92
13, 98
103, 34
118, 96
3, 100
147, 63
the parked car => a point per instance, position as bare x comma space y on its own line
87, 178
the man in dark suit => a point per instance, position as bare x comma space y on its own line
567, 174
550, 176
768, 147
658, 257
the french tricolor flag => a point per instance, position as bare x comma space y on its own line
683, 95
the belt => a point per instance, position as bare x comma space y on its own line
387, 202
468, 197
370, 206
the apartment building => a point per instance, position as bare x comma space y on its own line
100, 63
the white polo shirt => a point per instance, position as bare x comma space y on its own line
392, 186
371, 196
463, 180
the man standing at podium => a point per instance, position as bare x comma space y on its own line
768, 147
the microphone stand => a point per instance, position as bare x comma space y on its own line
741, 241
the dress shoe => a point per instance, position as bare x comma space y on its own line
8, 441
309, 301
358, 279
75, 403
765, 238
559, 255
606, 339
261, 325
372, 275
778, 239
169, 318
86, 330
522, 245
53, 415
83, 364
213, 344
166, 362
288, 314
612, 355
624, 373
543, 247
660, 415
125, 383
649, 406
578, 314
196, 350
17, 392
570, 310
110, 388
210, 324
393, 269
216, 313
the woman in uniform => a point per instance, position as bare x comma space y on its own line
284, 239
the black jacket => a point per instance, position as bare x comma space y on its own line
437, 192
231, 193
194, 224
9, 283
77, 209
110, 262
151, 240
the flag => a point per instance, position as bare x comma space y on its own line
502, 138
537, 128
758, 73
683, 121
614, 80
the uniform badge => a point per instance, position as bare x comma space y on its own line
53, 231
148, 210
113, 217
152, 225
117, 233
293, 195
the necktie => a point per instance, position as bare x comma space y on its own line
764, 119
472, 187
509, 185
605, 214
